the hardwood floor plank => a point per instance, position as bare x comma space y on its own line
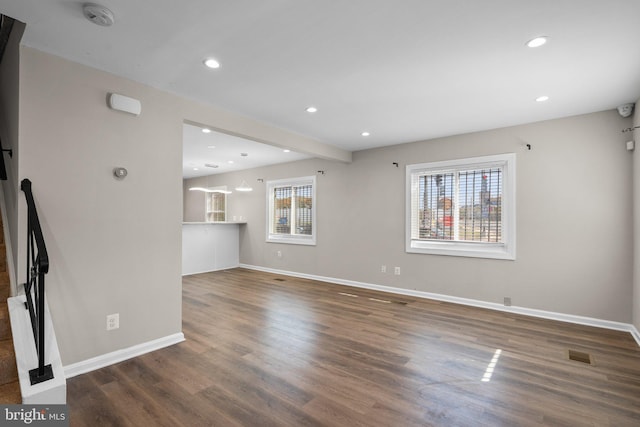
322, 381
190, 410
91, 407
333, 413
268, 350
140, 408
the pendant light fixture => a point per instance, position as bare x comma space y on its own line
209, 190
244, 187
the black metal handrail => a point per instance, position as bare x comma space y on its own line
37, 267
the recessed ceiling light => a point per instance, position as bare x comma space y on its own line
211, 146
286, 150
365, 133
311, 109
195, 169
206, 130
537, 42
211, 63
542, 98
230, 162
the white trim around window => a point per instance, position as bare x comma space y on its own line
291, 211
444, 198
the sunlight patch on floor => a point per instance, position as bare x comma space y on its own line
492, 365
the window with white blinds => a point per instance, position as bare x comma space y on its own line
464, 207
291, 207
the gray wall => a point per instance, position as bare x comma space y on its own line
114, 246
194, 202
574, 219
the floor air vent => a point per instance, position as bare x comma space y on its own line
278, 279
578, 356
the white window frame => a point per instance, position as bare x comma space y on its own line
499, 250
295, 239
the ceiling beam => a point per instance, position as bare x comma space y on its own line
199, 114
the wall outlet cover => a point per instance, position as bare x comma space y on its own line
113, 321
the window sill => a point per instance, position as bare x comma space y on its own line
472, 250
292, 240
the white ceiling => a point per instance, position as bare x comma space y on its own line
404, 70
220, 149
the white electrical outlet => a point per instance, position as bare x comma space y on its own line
113, 321
279, 254
383, 269
397, 271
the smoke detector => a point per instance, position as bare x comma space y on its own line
97, 14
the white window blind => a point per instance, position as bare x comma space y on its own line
464, 207
291, 207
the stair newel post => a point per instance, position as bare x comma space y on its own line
41, 365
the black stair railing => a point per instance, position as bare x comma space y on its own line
37, 267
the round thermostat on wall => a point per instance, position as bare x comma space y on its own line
120, 172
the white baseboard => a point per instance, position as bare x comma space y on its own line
191, 273
121, 355
570, 318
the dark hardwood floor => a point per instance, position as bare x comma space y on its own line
268, 350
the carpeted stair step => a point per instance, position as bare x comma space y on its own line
8, 369
4, 286
9, 384
3, 257
5, 323
10, 393
4, 278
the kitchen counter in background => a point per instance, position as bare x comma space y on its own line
210, 246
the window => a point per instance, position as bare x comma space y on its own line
216, 201
464, 207
291, 204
